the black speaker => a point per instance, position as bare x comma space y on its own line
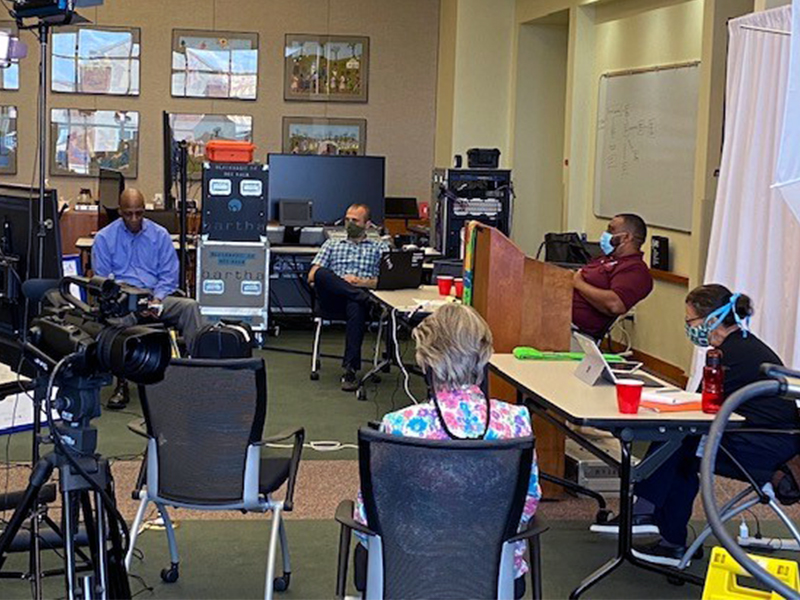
659, 253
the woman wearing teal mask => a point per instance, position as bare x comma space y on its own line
719, 318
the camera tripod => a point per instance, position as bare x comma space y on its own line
86, 488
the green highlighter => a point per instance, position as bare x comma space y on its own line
528, 353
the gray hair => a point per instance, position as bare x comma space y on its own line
454, 343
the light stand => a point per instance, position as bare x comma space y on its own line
184, 182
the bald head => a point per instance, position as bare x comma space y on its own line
131, 209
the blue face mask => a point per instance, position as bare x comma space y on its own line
605, 243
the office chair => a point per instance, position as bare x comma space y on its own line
442, 517
781, 382
773, 490
322, 315
204, 424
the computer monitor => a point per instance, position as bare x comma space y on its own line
401, 208
168, 219
110, 186
332, 183
19, 215
296, 213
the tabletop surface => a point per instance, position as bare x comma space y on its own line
555, 383
407, 298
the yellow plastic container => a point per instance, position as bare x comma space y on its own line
722, 583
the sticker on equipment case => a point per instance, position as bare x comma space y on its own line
251, 187
251, 288
220, 187
213, 286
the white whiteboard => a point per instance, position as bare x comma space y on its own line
646, 128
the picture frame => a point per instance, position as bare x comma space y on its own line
84, 140
199, 128
96, 60
8, 140
9, 76
321, 135
326, 68
214, 64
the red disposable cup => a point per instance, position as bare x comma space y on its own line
629, 395
459, 283
445, 283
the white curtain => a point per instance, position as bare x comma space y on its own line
787, 173
755, 239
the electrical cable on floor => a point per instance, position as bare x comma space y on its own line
400, 358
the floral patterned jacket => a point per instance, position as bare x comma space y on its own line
464, 411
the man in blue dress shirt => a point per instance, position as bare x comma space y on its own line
340, 271
137, 251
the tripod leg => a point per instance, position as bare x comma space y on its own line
40, 475
101, 561
70, 529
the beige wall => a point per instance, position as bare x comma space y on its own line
402, 86
612, 35
541, 85
481, 105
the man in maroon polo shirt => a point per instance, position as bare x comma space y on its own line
611, 285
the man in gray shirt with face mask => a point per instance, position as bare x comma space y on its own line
340, 272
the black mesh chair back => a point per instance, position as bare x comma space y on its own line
203, 416
443, 510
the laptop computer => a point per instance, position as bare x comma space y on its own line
400, 270
594, 369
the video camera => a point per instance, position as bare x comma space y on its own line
94, 336
97, 343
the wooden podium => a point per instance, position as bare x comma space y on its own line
526, 303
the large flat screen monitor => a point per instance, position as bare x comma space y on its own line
332, 183
19, 215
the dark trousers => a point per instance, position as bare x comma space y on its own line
361, 556
674, 485
337, 299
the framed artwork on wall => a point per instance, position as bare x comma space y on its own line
9, 76
8, 140
82, 141
326, 68
199, 129
214, 64
95, 59
317, 135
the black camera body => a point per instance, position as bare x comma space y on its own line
94, 342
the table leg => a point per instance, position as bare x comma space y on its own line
625, 537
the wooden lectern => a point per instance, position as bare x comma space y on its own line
526, 303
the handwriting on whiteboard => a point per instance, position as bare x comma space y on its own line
625, 135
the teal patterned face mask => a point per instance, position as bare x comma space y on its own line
698, 334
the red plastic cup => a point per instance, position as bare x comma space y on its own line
445, 283
629, 395
459, 283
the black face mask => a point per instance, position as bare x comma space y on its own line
429, 381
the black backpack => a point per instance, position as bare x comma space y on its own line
226, 339
567, 248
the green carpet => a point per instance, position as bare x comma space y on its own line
293, 400
228, 560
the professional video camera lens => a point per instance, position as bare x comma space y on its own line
139, 353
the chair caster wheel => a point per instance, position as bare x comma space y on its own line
170, 575
281, 584
314, 376
361, 395
676, 581
375, 379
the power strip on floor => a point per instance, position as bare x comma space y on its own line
768, 543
